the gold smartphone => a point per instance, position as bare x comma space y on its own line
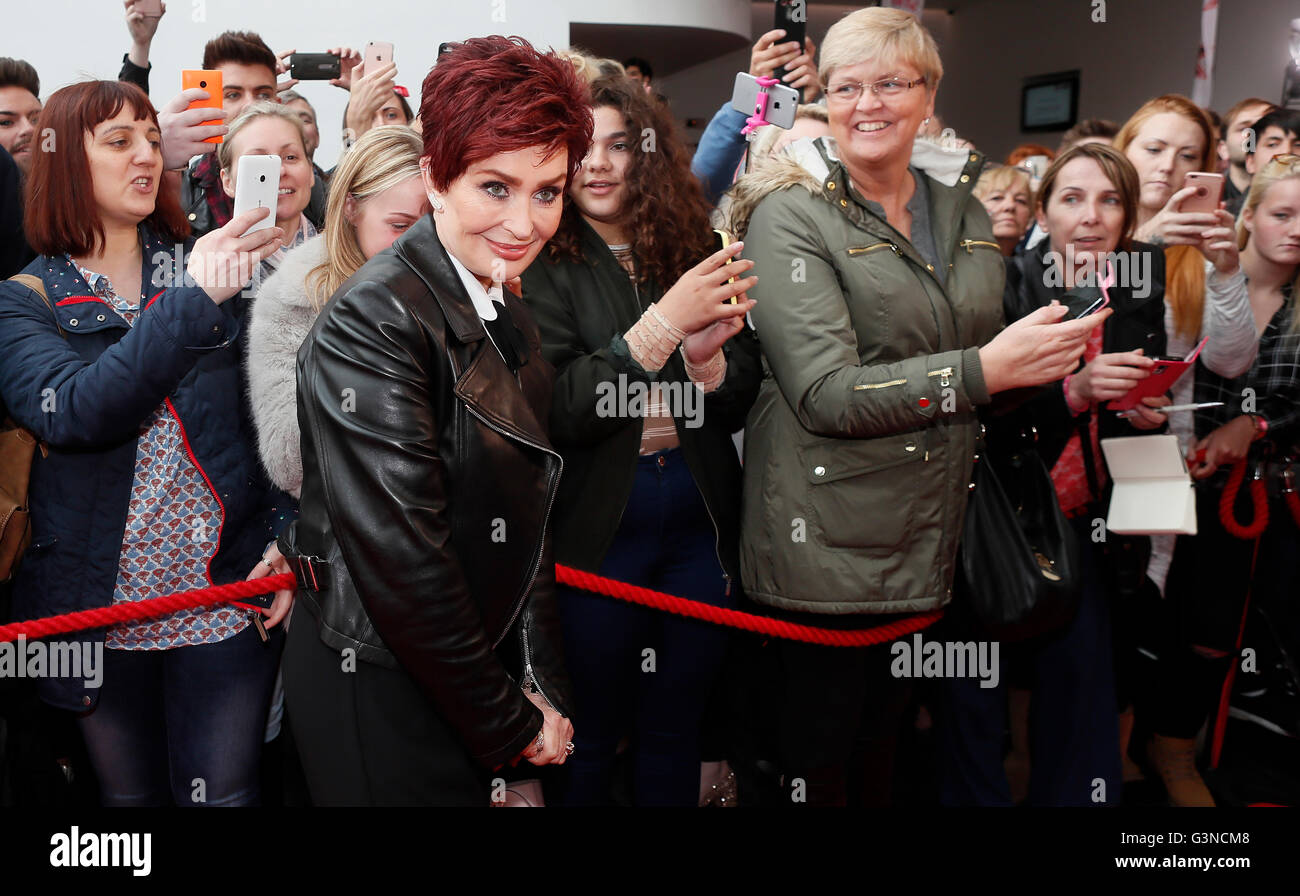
721, 240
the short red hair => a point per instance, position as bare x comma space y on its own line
58, 217
498, 94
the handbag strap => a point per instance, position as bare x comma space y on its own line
37, 285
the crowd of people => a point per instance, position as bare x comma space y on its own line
499, 336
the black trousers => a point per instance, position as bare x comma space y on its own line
370, 737
837, 714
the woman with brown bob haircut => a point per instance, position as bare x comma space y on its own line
651, 489
129, 371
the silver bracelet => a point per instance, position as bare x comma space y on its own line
676, 331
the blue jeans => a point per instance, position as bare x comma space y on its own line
665, 541
1073, 721
183, 725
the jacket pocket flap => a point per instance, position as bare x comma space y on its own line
831, 460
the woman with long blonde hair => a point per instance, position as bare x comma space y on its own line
375, 195
1211, 571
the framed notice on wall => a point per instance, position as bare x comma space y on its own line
1050, 102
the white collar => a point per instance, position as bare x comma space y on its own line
482, 298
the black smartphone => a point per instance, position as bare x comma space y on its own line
314, 66
792, 15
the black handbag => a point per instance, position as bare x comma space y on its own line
1019, 554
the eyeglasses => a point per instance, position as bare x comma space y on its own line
888, 88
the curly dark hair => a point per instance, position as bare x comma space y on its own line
666, 214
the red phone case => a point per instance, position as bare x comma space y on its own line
1158, 383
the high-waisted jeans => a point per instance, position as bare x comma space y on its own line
639, 671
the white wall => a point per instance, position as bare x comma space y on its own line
69, 40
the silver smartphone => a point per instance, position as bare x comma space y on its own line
782, 101
257, 185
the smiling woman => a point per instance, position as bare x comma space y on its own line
878, 314
428, 476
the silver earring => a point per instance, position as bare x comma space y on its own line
927, 120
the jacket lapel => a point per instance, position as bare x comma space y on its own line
485, 384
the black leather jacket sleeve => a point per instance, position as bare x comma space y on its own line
374, 389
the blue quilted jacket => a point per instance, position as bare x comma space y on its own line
86, 393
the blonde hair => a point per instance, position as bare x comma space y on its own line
226, 149
880, 33
383, 158
1002, 177
767, 137
590, 67
1184, 265
1278, 169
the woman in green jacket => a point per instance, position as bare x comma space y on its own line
655, 370
879, 281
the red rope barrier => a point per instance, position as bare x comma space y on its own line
763, 625
134, 611
1228, 503
100, 617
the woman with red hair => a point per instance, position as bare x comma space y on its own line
425, 655
129, 371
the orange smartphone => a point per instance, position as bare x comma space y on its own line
1209, 190
211, 82
721, 240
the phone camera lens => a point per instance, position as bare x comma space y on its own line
203, 83
262, 178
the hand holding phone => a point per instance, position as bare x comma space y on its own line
210, 81
790, 16
1208, 192
721, 240
257, 186
315, 66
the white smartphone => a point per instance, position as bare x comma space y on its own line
782, 101
257, 185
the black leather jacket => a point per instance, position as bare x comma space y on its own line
428, 481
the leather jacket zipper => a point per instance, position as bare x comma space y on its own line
530, 680
550, 500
